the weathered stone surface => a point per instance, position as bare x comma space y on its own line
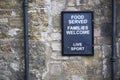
3, 20
60, 5
56, 36
45, 59
58, 56
97, 32
71, 3
81, 2
73, 68
2, 77
14, 66
56, 46
104, 40
106, 68
56, 21
55, 69
8, 4
77, 77
16, 22
106, 30
106, 51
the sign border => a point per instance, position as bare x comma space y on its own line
62, 45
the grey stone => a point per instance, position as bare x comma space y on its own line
4, 20
90, 71
106, 68
57, 6
104, 40
106, 51
2, 77
118, 49
56, 22
97, 32
3, 72
17, 75
15, 66
96, 2
81, 2
55, 69
77, 77
71, 9
106, 30
70, 3
56, 36
13, 32
56, 46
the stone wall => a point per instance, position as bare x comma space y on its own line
46, 62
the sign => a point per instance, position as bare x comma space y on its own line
77, 33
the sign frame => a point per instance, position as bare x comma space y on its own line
92, 33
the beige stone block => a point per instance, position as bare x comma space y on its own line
58, 56
73, 67
56, 36
56, 46
4, 20
77, 77
97, 32
81, 2
55, 69
71, 3
104, 40
57, 6
16, 22
95, 41
56, 21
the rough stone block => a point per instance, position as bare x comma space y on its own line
57, 6
71, 3
106, 30
3, 65
96, 2
16, 22
95, 40
71, 9
56, 22
104, 40
118, 48
106, 51
14, 66
58, 56
13, 32
5, 48
7, 4
56, 36
55, 69
3, 20
56, 46
81, 2
3, 77
118, 69
72, 67
77, 77
90, 71
90, 2
97, 32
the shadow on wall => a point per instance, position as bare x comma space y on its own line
118, 18
118, 37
